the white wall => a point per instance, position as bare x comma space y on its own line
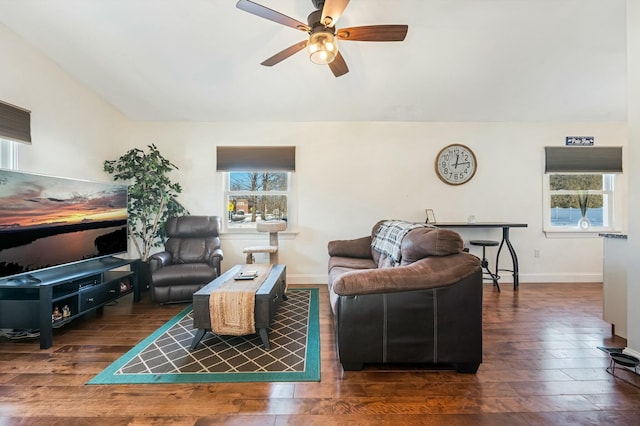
73, 130
633, 272
349, 174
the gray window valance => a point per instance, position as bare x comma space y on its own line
15, 123
583, 159
260, 158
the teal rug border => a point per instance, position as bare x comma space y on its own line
311, 373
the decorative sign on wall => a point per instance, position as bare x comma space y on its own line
579, 140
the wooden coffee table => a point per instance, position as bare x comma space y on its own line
268, 298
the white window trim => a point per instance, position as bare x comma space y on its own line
615, 213
8, 154
292, 207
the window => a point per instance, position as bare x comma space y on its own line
15, 126
258, 185
15, 123
7, 154
256, 196
580, 190
580, 201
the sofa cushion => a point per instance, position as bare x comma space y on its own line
358, 248
188, 250
183, 274
350, 263
425, 242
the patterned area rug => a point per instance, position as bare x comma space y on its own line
166, 357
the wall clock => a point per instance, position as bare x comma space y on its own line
456, 164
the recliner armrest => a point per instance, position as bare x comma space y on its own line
159, 260
214, 260
359, 247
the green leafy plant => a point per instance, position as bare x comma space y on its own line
152, 195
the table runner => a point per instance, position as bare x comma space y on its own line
232, 305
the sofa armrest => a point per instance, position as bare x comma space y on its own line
159, 260
425, 273
359, 247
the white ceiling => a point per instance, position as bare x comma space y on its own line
462, 60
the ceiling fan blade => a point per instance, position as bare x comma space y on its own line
338, 66
374, 33
272, 15
332, 11
281, 56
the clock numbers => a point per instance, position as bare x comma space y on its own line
455, 164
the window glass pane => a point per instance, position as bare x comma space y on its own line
7, 154
574, 196
246, 210
258, 181
575, 182
589, 201
257, 196
566, 210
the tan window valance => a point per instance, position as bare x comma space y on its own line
259, 158
583, 159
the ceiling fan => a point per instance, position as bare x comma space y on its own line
322, 45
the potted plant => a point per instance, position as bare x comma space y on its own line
152, 197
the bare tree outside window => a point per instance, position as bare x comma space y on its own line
257, 196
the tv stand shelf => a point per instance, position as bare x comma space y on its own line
48, 299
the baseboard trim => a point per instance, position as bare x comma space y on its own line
558, 278
307, 279
631, 352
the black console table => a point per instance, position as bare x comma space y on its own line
505, 240
48, 299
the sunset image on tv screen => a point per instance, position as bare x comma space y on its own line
47, 221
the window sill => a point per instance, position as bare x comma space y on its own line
252, 234
574, 233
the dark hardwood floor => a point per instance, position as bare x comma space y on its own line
541, 366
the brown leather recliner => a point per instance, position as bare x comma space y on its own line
190, 261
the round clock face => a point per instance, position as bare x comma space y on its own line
455, 164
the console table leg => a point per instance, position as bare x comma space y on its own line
514, 257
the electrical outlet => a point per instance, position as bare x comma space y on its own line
536, 253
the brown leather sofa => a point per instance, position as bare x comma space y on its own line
426, 310
190, 261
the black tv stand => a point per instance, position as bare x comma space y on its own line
109, 259
26, 279
49, 299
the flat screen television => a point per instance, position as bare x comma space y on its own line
47, 222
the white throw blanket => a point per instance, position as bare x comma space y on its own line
388, 238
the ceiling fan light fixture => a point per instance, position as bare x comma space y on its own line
322, 47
